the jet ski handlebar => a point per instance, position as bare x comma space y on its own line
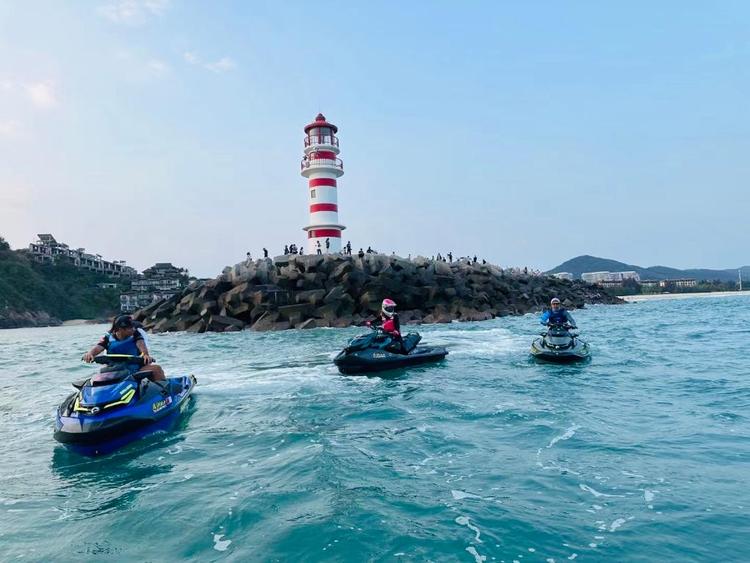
111, 359
566, 326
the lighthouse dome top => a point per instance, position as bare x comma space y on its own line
320, 121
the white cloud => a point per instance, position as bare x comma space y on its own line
133, 12
157, 66
224, 64
9, 128
42, 94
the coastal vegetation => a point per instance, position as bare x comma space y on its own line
33, 294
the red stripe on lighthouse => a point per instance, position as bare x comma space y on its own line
322, 182
327, 155
319, 233
323, 207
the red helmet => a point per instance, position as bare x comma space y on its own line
389, 307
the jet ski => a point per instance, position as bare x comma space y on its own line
379, 351
558, 344
119, 405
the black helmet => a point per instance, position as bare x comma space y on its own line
123, 321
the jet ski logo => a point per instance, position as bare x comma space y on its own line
158, 405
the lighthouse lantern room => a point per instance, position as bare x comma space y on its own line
322, 167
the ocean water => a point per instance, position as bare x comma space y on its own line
642, 454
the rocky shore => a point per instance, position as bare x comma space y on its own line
338, 291
10, 318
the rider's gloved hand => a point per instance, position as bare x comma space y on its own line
88, 357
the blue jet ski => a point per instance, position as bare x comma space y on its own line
559, 345
379, 351
119, 405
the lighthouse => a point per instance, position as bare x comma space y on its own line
322, 168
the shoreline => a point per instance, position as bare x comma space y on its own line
663, 296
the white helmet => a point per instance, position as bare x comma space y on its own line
388, 307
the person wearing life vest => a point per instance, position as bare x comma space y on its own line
388, 321
557, 315
125, 338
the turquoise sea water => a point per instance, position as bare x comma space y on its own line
643, 454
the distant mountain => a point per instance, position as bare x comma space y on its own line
581, 264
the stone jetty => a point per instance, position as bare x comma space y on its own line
339, 291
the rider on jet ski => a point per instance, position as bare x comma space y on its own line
557, 315
389, 322
125, 338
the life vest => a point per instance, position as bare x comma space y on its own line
126, 346
390, 326
557, 317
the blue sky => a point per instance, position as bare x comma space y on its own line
163, 130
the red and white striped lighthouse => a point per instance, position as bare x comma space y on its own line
322, 167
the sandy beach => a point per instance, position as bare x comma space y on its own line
660, 296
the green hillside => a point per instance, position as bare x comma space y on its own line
586, 263
61, 290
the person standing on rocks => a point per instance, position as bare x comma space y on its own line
286, 250
318, 246
265, 252
361, 253
328, 245
450, 257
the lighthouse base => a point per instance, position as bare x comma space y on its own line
334, 245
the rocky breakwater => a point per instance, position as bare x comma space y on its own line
338, 291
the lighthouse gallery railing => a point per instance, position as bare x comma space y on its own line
308, 162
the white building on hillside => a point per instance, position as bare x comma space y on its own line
48, 250
611, 277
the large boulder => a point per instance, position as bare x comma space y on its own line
313, 296
266, 321
295, 313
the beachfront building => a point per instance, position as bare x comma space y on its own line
46, 250
160, 281
682, 283
611, 279
322, 168
595, 277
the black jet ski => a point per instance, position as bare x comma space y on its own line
379, 351
558, 344
119, 405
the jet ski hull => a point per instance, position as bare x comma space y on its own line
375, 360
562, 355
157, 409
